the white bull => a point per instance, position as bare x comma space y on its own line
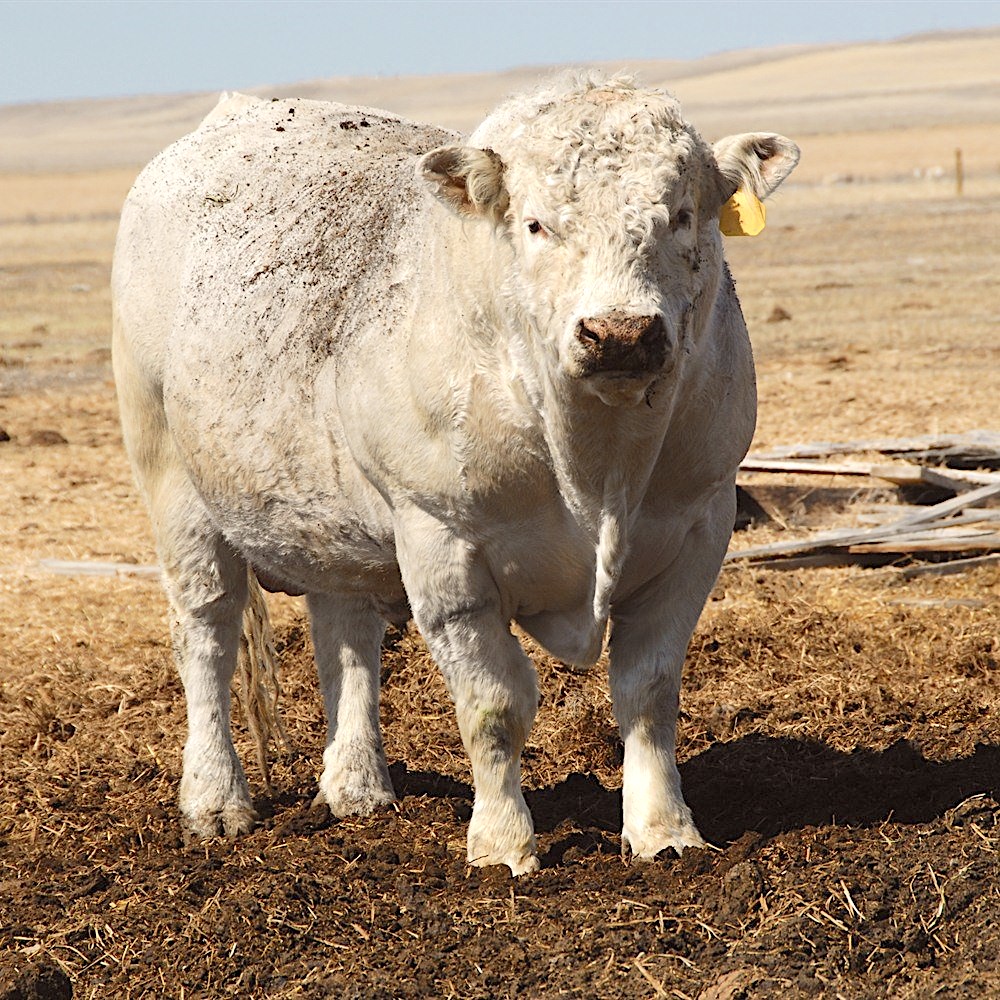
505, 380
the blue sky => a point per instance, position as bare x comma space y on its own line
56, 50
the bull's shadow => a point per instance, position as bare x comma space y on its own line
774, 785
768, 785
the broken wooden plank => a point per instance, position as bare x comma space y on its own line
916, 475
909, 545
945, 530
844, 537
818, 561
900, 474
88, 567
949, 568
962, 517
945, 508
984, 442
809, 467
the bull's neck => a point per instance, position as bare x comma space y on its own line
602, 455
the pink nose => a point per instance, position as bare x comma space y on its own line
621, 342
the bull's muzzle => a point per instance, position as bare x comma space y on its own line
621, 343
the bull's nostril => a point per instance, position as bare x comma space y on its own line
654, 331
586, 335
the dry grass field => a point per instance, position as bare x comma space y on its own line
840, 732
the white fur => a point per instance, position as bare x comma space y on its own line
346, 356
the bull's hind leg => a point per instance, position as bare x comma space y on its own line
206, 584
205, 581
347, 636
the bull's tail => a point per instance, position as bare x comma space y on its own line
256, 683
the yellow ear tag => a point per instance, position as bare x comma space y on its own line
742, 215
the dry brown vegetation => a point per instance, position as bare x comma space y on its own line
840, 733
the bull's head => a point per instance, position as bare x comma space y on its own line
607, 205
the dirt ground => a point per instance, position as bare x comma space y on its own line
839, 739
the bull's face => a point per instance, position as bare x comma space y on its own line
607, 204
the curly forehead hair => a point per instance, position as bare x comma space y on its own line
583, 136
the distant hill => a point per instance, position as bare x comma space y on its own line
932, 80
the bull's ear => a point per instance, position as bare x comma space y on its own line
468, 180
755, 161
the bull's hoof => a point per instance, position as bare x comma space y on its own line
354, 803
520, 864
229, 821
355, 780
214, 796
356, 792
501, 833
646, 844
521, 860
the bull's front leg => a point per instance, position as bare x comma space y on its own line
649, 638
456, 605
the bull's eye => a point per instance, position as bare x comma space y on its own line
682, 219
535, 227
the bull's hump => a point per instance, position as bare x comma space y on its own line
323, 176
242, 164
298, 209
300, 132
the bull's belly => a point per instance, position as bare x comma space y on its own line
310, 546
306, 548
298, 534
314, 545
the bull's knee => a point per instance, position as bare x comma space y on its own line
496, 735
